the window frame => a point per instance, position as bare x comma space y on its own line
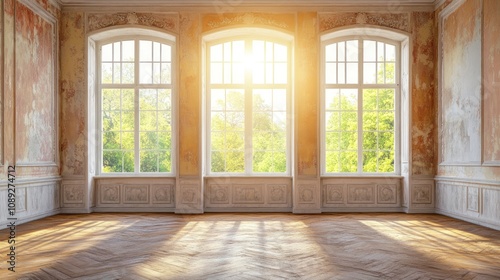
358, 34
136, 35
248, 36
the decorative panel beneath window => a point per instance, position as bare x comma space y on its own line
361, 194
135, 194
248, 194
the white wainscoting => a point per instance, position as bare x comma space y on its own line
471, 200
135, 195
235, 194
35, 199
370, 194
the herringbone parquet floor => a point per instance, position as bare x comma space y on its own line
253, 246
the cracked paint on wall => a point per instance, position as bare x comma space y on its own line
423, 129
35, 125
73, 95
461, 87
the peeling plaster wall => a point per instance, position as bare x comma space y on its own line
468, 177
30, 107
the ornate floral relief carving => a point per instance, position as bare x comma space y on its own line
162, 193
335, 194
248, 194
73, 193
387, 194
136, 194
161, 20
213, 21
306, 194
400, 21
189, 195
219, 194
422, 194
361, 194
110, 193
276, 194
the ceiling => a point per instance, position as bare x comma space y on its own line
243, 3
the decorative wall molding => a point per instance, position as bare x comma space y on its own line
189, 196
281, 21
307, 196
396, 20
73, 193
470, 201
134, 195
241, 194
165, 21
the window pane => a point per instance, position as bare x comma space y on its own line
349, 141
258, 50
127, 99
349, 99
235, 161
164, 121
165, 161
117, 73
390, 71
279, 100
166, 53
128, 73
218, 99
111, 121
235, 100
117, 51
332, 159
107, 53
107, 73
218, 163
238, 51
148, 140
386, 121
370, 141
148, 121
386, 140
386, 161
128, 140
332, 99
369, 51
146, 74
261, 140
332, 141
331, 52
262, 100
111, 140
370, 120
156, 73
156, 51
148, 98
279, 141
145, 48
128, 121
380, 73
331, 73
341, 73
112, 161
238, 73
235, 141
262, 121
352, 73
218, 140
386, 99
369, 73
280, 73
390, 52
380, 51
370, 161
258, 73
235, 121
164, 99
216, 73
128, 51
341, 51
332, 121
110, 99
352, 50
128, 161
370, 99
149, 161
279, 121
227, 73
280, 53
348, 162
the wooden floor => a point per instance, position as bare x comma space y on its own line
252, 246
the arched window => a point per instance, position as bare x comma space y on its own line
248, 104
361, 101
134, 104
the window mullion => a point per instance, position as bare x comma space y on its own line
360, 106
248, 111
136, 110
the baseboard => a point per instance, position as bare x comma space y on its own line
468, 219
248, 210
32, 218
132, 210
364, 210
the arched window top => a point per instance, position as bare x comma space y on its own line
371, 32
114, 32
248, 31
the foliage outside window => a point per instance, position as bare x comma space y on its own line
248, 106
136, 106
360, 101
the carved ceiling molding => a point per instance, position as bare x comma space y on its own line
399, 21
166, 21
